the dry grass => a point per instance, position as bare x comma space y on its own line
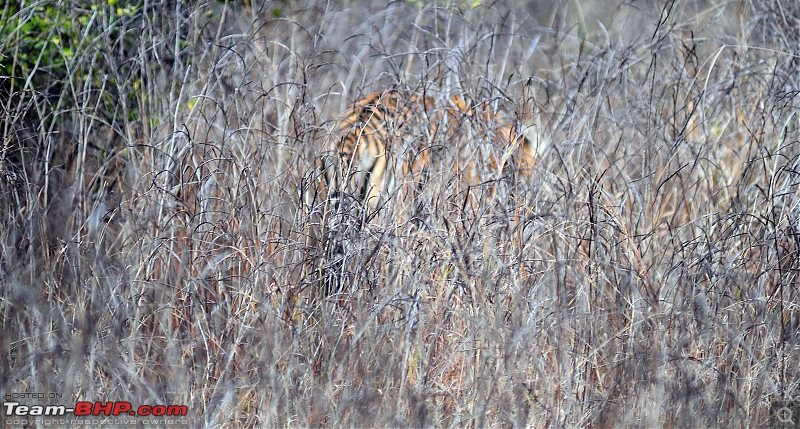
164, 236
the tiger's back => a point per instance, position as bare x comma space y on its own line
390, 138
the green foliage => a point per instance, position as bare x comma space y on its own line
40, 41
34, 38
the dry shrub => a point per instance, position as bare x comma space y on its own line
177, 250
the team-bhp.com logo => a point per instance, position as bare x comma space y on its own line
103, 413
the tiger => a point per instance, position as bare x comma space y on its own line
390, 137
394, 141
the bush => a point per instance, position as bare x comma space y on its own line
167, 238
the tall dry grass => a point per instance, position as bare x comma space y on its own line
165, 230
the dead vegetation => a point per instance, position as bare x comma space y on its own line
165, 233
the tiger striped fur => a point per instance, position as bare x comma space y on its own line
389, 137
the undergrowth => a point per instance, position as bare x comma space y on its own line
165, 222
